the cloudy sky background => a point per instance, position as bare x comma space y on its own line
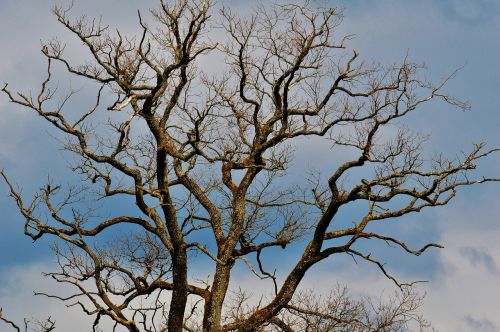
463, 293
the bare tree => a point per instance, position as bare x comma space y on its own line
40, 326
203, 156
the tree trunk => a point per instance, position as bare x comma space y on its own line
179, 293
213, 307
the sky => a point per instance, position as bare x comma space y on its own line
463, 292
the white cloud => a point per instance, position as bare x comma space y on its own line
18, 301
467, 292
464, 297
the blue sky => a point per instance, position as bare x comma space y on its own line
463, 292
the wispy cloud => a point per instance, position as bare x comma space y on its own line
483, 325
472, 12
479, 257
